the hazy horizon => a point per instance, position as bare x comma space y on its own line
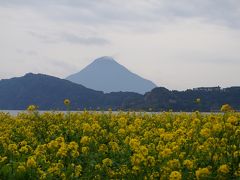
178, 44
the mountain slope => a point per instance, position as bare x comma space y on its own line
45, 91
49, 92
160, 99
105, 74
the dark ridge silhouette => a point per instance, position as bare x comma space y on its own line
105, 74
45, 91
211, 99
48, 93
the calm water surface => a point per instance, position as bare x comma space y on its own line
15, 112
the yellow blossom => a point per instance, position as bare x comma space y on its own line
78, 171
174, 164
232, 119
67, 102
202, 172
2, 159
32, 108
62, 152
122, 122
134, 143
85, 140
136, 159
175, 175
223, 169
217, 127
143, 150
21, 168
188, 164
86, 127
23, 149
107, 162
226, 108
12, 147
23, 143
198, 100
135, 169
150, 161
31, 162
205, 132
114, 146
166, 152
73, 145
85, 150
103, 148
121, 131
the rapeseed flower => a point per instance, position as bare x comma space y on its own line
226, 108
175, 175
107, 162
32, 108
134, 143
188, 164
21, 168
223, 169
67, 102
31, 163
202, 173
85, 140
78, 171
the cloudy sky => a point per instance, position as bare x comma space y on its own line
178, 44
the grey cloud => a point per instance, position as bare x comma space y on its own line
70, 38
202, 59
223, 12
60, 64
27, 52
226, 12
221, 61
44, 37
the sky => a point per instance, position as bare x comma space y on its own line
178, 44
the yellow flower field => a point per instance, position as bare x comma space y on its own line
91, 145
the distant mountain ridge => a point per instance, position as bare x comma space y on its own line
211, 99
48, 93
105, 74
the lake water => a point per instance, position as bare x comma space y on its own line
15, 112
12, 112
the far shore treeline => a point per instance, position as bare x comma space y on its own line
48, 93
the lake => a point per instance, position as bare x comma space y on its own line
15, 112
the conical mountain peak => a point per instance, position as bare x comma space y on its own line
105, 74
104, 59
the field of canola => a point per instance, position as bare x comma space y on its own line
93, 145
